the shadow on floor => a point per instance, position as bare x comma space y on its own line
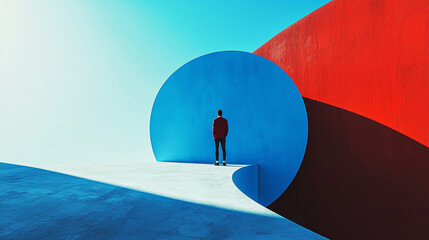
40, 204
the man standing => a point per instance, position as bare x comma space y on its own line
220, 130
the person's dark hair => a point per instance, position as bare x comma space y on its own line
219, 113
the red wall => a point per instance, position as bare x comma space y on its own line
363, 70
369, 57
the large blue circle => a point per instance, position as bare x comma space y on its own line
265, 111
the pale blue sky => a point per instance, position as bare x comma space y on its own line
78, 78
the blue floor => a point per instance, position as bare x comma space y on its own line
40, 204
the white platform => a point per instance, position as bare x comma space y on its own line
203, 184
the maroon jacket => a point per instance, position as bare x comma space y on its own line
220, 127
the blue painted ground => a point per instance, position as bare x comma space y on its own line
40, 204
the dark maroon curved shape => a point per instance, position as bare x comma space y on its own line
359, 179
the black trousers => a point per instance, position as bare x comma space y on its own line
222, 143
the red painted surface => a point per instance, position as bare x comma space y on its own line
369, 57
363, 70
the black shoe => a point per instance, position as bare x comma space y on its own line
216, 164
224, 163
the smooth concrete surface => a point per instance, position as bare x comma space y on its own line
134, 201
198, 183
